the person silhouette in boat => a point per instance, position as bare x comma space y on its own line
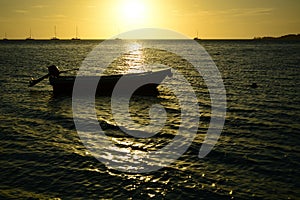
53, 71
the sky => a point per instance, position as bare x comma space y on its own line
101, 19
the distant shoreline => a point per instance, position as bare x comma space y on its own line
291, 37
284, 37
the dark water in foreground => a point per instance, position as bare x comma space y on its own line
257, 156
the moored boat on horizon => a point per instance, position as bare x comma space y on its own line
54, 38
76, 37
5, 37
30, 36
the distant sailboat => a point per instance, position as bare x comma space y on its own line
5, 37
197, 38
54, 38
30, 37
76, 38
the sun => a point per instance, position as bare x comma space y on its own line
133, 11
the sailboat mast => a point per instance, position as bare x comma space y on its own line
76, 36
5, 37
76, 32
54, 38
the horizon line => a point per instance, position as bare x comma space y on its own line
78, 38
67, 39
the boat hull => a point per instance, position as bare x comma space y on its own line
107, 83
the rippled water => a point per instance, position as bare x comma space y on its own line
257, 155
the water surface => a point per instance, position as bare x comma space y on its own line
257, 156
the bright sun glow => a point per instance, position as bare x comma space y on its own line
133, 11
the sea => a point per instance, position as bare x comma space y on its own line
257, 156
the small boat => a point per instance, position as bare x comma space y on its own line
106, 84
5, 37
30, 36
76, 37
197, 38
29, 39
54, 38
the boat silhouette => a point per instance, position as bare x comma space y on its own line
30, 36
5, 37
76, 37
54, 38
107, 83
197, 38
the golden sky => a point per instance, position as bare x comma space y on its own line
100, 19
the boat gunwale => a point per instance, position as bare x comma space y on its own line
146, 73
